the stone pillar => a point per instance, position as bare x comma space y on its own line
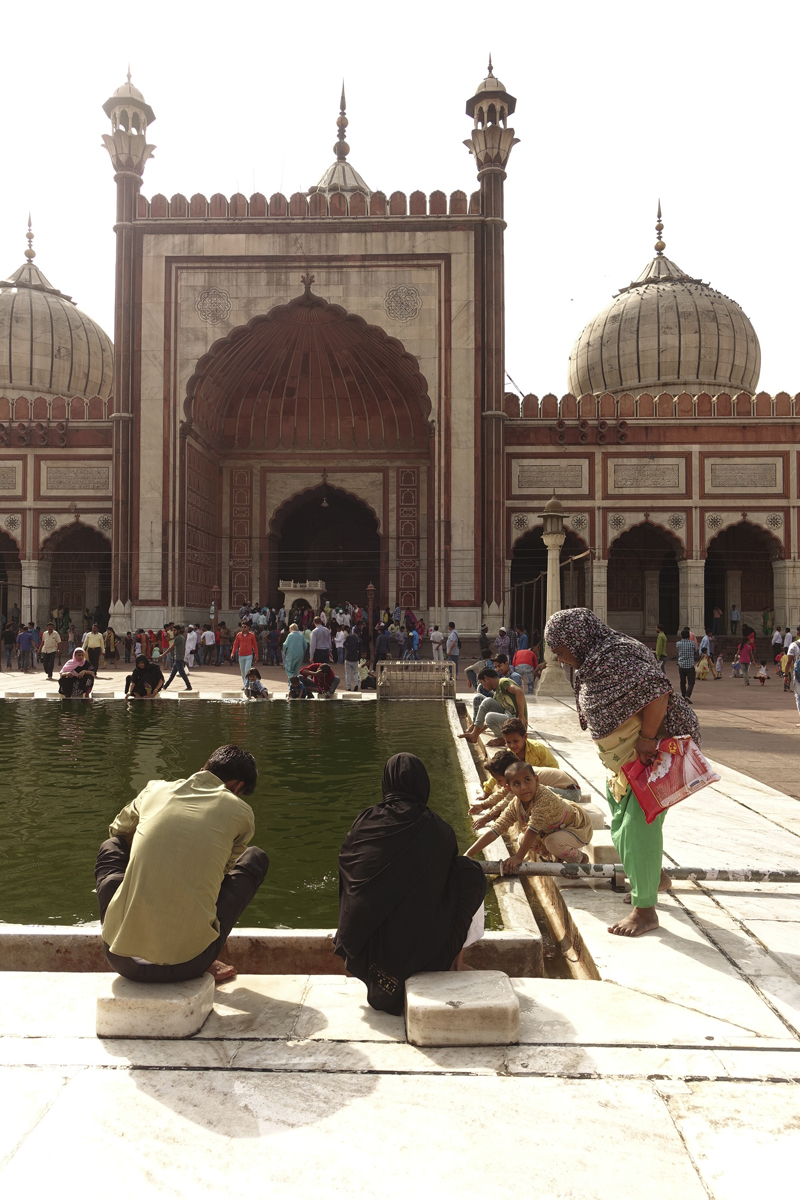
553, 681
651, 602
692, 593
91, 593
35, 580
599, 597
733, 595
786, 592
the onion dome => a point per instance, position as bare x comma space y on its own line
666, 332
341, 177
48, 347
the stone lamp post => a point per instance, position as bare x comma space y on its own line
552, 681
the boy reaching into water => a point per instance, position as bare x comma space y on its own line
515, 735
553, 828
490, 798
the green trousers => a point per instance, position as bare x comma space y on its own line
639, 845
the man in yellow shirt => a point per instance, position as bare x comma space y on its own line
94, 644
175, 874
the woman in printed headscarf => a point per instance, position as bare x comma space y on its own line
627, 704
76, 679
406, 899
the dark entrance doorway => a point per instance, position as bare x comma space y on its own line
751, 551
528, 598
644, 549
328, 535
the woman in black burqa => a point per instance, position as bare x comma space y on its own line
406, 899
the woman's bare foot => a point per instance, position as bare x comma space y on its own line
221, 971
639, 921
664, 885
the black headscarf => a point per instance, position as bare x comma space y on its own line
150, 673
398, 895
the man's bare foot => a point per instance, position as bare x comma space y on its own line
221, 971
664, 885
498, 741
639, 921
471, 735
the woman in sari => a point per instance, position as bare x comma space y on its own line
406, 899
76, 678
627, 704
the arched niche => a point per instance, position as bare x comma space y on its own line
739, 570
528, 592
643, 580
80, 572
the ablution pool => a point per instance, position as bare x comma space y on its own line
67, 769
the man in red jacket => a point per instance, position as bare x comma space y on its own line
246, 647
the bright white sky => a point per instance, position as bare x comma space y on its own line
617, 104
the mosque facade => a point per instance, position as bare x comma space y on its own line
313, 387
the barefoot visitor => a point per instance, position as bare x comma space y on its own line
406, 899
76, 680
145, 681
627, 703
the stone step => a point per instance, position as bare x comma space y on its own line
461, 1008
153, 1010
601, 849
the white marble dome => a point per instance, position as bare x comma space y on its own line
48, 347
666, 332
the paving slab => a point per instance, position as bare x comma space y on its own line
336, 1009
25, 1097
744, 1138
190, 1134
256, 1006
587, 1012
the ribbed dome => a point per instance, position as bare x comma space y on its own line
341, 177
666, 332
48, 347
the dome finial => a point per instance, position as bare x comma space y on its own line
491, 72
30, 253
129, 72
341, 149
659, 247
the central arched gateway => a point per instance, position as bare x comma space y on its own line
326, 534
307, 455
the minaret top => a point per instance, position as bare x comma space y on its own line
660, 245
491, 104
341, 149
30, 253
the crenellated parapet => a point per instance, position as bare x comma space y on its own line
46, 421
299, 205
584, 412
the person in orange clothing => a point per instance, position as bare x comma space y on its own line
246, 647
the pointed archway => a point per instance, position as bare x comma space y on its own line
739, 571
643, 584
80, 572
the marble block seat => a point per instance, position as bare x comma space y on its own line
461, 1008
153, 1010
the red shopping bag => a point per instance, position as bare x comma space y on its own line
678, 770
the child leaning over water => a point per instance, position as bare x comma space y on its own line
253, 687
551, 827
495, 788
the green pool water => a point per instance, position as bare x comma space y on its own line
66, 770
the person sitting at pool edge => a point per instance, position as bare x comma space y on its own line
553, 828
253, 687
507, 700
76, 678
145, 681
495, 789
176, 872
515, 735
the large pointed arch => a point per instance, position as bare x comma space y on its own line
309, 376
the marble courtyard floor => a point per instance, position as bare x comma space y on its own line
678, 1069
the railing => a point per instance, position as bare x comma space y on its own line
416, 681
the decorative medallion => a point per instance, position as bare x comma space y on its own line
580, 521
48, 524
775, 521
521, 521
675, 520
714, 521
13, 522
213, 305
105, 523
616, 522
402, 303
